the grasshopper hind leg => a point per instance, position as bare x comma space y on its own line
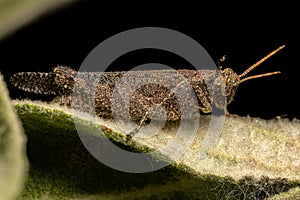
143, 121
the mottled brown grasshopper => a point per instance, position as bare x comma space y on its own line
97, 89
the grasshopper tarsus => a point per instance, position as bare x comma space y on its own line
137, 128
129, 136
132, 133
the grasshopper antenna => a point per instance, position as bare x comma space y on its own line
257, 64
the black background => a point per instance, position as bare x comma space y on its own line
66, 37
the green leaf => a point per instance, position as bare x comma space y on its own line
13, 161
252, 159
17, 13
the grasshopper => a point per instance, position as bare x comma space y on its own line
97, 89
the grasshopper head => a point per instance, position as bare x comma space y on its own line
231, 82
